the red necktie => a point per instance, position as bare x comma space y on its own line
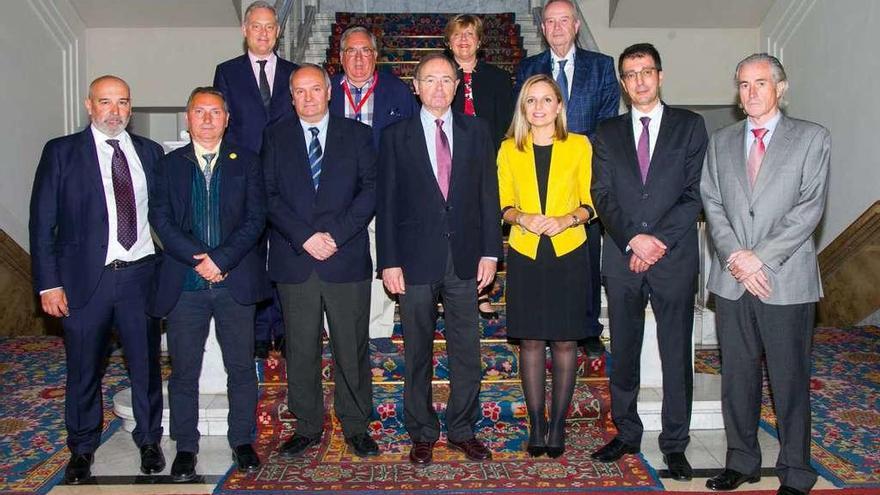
756, 155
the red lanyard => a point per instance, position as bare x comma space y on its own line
364, 98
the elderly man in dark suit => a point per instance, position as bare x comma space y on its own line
646, 186
377, 99
209, 209
439, 234
764, 187
320, 179
255, 88
93, 262
591, 94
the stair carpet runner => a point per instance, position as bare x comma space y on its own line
406, 38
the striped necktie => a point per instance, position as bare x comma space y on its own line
315, 156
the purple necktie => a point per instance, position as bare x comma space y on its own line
644, 149
444, 158
123, 190
756, 155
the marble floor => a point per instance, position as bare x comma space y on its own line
116, 465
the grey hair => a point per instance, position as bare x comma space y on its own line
776, 68
207, 90
259, 4
358, 29
306, 65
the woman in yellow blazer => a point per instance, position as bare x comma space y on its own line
544, 186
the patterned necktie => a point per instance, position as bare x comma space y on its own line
265, 92
469, 94
444, 158
644, 149
358, 94
123, 191
562, 81
756, 155
315, 156
207, 170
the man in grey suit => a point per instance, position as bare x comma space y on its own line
763, 188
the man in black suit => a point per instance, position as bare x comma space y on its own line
209, 209
646, 187
320, 175
255, 87
438, 233
93, 261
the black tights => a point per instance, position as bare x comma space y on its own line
532, 359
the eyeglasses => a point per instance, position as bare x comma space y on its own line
363, 52
645, 73
433, 81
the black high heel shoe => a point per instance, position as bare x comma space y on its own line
554, 451
533, 448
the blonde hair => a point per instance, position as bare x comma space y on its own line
464, 21
520, 128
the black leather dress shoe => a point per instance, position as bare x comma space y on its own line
787, 490
296, 445
421, 453
536, 450
554, 452
594, 347
183, 469
730, 480
363, 445
152, 460
79, 468
473, 449
246, 460
678, 466
614, 450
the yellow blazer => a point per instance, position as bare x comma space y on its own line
567, 188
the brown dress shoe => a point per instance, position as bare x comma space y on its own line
473, 449
421, 453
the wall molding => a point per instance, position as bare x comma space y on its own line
786, 26
65, 36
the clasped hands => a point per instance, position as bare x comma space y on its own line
543, 224
320, 246
646, 251
745, 266
207, 269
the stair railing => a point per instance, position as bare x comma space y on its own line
296, 19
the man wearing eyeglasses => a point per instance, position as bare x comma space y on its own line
438, 233
646, 188
377, 99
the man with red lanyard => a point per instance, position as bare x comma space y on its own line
378, 100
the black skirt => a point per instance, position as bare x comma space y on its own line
547, 297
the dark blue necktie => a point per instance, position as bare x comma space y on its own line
562, 81
315, 156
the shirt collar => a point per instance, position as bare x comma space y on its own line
770, 125
200, 150
568, 56
101, 138
654, 114
428, 118
254, 58
321, 125
363, 87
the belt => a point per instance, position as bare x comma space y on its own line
121, 265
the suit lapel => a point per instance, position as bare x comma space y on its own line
89, 159
546, 65
580, 71
777, 151
280, 94
300, 152
668, 123
246, 73
419, 150
183, 180
627, 141
332, 144
733, 148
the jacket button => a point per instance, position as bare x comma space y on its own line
752, 213
645, 196
446, 235
645, 224
448, 208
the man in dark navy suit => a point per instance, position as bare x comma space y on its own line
255, 88
93, 263
377, 99
591, 94
208, 209
438, 227
320, 180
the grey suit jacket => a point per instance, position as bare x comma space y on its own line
776, 220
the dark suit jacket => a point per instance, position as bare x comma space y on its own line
242, 219
247, 116
68, 224
595, 92
493, 98
415, 226
666, 206
342, 206
393, 101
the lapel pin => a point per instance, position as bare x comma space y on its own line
233, 156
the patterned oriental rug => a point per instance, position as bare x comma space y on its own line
33, 449
333, 469
845, 393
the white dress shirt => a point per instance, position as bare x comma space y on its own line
656, 115
771, 129
430, 129
322, 132
569, 67
271, 62
143, 246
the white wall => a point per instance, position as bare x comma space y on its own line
829, 52
43, 59
698, 63
162, 65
